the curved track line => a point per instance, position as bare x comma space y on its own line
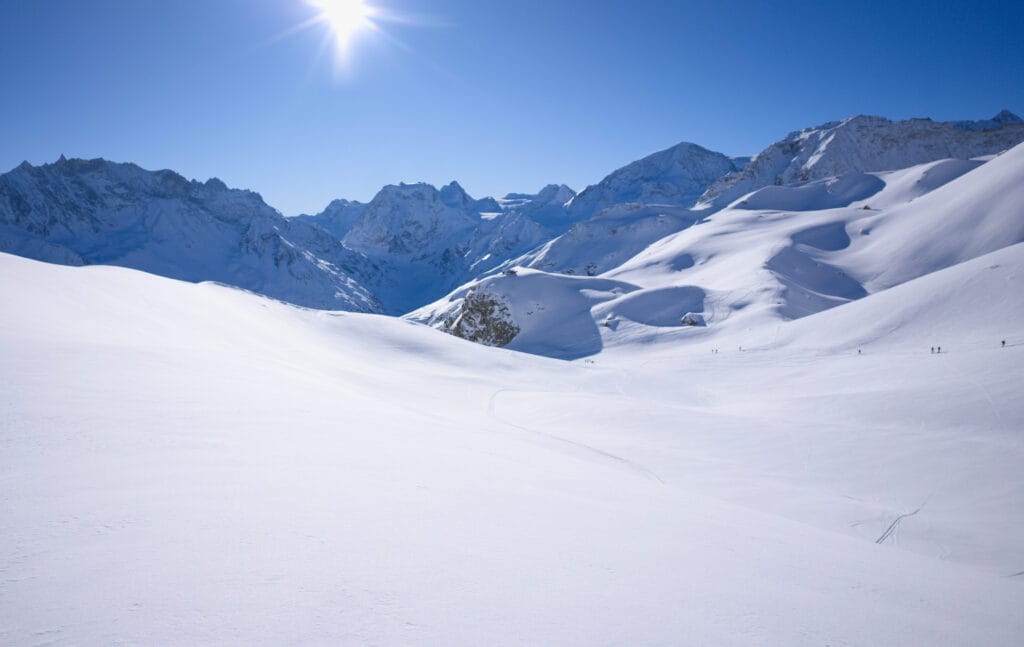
600, 453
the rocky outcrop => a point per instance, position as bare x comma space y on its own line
483, 318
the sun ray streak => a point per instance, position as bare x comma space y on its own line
342, 21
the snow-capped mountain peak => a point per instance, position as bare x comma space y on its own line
676, 176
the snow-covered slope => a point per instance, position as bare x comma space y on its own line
81, 212
781, 253
979, 212
612, 237
232, 469
865, 144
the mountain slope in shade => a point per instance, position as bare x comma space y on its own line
81, 212
864, 144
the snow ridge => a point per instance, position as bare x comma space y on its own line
864, 144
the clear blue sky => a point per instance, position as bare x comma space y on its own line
501, 95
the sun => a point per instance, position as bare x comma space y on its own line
345, 18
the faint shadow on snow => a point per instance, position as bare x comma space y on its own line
815, 196
830, 237
662, 307
809, 286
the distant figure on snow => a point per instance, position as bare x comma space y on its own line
1004, 343
939, 350
933, 350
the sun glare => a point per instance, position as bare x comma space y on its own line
345, 18
342, 21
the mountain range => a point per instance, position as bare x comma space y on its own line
681, 231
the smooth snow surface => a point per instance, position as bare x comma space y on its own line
193, 464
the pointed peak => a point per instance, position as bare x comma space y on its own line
454, 195
1006, 117
556, 193
62, 160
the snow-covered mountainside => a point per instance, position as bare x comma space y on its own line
676, 176
237, 470
547, 207
413, 244
790, 415
781, 253
338, 218
635, 206
425, 241
865, 144
83, 212
607, 240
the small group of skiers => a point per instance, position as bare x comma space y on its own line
938, 349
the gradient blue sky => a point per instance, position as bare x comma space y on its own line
503, 96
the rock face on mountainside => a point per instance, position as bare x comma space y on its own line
82, 212
483, 318
866, 144
676, 177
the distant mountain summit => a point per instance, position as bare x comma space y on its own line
674, 177
83, 212
425, 240
864, 144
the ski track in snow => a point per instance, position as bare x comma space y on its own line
586, 450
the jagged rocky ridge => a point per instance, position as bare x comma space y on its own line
84, 212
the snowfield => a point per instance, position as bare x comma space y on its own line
194, 464
776, 401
